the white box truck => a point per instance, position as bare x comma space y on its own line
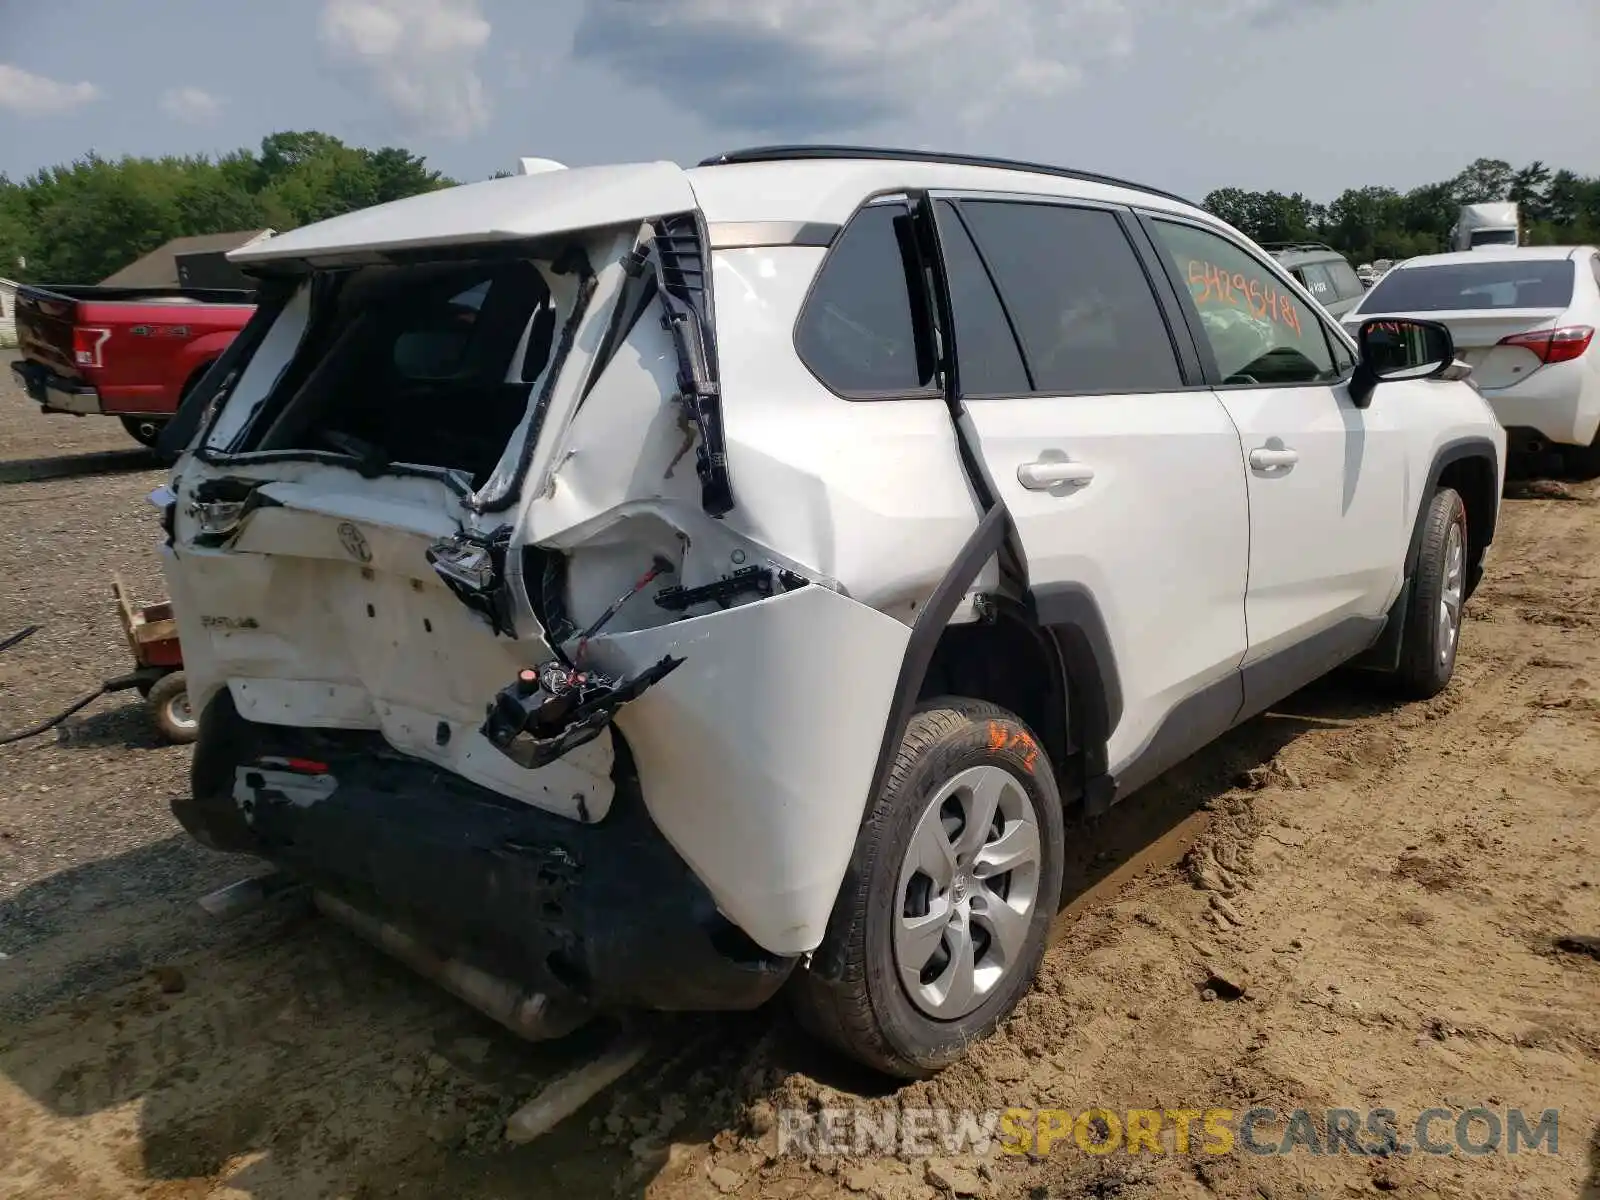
1494, 224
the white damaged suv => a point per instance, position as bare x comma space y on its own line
636, 587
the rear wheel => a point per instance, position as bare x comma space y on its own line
946, 907
144, 430
1433, 619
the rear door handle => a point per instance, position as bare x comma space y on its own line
1048, 473
1263, 459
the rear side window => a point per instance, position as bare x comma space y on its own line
1508, 283
1259, 331
1078, 296
988, 359
1318, 282
858, 332
1346, 283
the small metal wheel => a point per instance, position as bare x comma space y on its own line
169, 702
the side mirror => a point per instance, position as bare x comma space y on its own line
1399, 348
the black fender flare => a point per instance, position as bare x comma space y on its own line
1066, 613
1384, 655
1454, 451
1071, 616
982, 544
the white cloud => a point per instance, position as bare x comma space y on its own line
421, 57
192, 105
34, 95
806, 66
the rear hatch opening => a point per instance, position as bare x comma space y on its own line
425, 368
363, 480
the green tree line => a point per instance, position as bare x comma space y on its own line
80, 222
1559, 207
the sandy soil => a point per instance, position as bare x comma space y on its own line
1401, 894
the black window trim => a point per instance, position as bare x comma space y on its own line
904, 196
1125, 218
1192, 314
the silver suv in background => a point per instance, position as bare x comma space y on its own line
1322, 271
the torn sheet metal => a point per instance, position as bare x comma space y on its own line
755, 755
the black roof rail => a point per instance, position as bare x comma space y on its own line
760, 154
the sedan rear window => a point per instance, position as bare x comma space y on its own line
1509, 283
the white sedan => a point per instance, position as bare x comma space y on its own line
1524, 317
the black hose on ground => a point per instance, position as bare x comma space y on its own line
120, 684
20, 636
83, 701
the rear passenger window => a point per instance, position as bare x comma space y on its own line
1345, 280
1259, 331
1078, 297
987, 357
857, 333
1315, 277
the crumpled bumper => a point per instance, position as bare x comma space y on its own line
604, 914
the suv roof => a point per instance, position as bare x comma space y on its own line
1292, 254
802, 153
799, 185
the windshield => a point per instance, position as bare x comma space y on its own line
1522, 283
1495, 237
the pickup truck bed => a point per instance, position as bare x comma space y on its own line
131, 353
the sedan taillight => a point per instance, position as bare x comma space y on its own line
1554, 345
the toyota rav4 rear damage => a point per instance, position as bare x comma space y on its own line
638, 587
478, 651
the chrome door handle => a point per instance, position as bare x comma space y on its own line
1048, 473
1263, 459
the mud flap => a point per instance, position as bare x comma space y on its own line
548, 712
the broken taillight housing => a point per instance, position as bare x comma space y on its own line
470, 564
1554, 345
87, 341
217, 517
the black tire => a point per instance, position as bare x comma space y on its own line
1580, 462
169, 704
867, 1012
1427, 659
144, 430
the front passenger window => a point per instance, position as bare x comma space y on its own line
1258, 330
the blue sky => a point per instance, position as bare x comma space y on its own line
1308, 95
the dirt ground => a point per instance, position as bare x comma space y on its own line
1345, 904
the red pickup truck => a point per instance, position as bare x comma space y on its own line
132, 353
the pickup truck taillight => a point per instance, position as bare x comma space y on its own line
86, 343
1554, 345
